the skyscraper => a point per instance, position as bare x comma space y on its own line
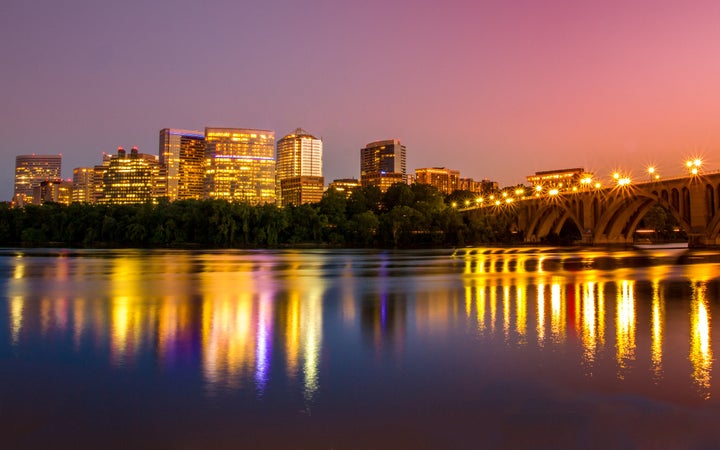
240, 164
382, 163
30, 170
299, 168
82, 188
133, 178
182, 154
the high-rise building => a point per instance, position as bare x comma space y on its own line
445, 180
382, 163
98, 178
82, 185
30, 170
240, 165
298, 168
133, 178
182, 155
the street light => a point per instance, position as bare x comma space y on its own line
693, 165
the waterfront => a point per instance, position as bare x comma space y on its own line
335, 349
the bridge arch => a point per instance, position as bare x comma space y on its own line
549, 217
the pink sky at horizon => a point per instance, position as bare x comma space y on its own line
495, 89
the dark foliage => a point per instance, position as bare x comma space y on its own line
405, 216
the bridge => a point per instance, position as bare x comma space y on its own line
612, 215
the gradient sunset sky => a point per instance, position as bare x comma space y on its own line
496, 89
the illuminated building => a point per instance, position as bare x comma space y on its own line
240, 165
562, 178
133, 178
182, 154
55, 191
445, 180
345, 186
382, 163
30, 170
299, 190
82, 185
98, 176
478, 187
298, 168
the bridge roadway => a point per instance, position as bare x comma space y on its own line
611, 215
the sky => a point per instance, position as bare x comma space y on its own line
496, 89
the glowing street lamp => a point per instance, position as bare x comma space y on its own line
693, 165
553, 192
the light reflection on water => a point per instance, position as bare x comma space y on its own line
251, 321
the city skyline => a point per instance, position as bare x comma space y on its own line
499, 90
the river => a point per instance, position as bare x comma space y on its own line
464, 348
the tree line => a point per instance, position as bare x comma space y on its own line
405, 216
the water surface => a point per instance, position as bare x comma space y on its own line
470, 348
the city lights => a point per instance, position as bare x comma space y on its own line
693, 165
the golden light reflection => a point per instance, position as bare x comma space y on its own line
506, 310
228, 337
700, 349
16, 318
493, 308
481, 302
19, 269
311, 342
601, 314
521, 312
292, 334
589, 326
625, 326
557, 313
541, 314
658, 322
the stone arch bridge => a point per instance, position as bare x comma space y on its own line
611, 215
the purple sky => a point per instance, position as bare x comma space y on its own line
496, 89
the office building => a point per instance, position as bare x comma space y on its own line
30, 170
484, 186
445, 180
54, 191
182, 155
382, 163
133, 178
240, 165
82, 185
345, 186
298, 168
